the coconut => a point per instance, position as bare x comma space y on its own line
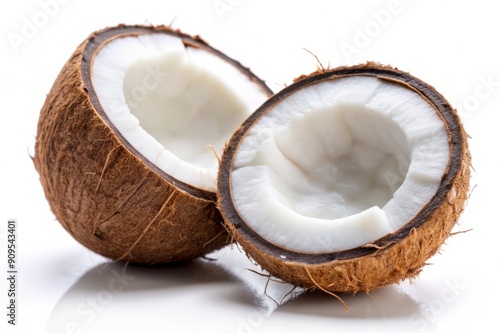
127, 142
347, 180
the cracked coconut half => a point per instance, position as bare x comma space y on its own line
127, 138
347, 180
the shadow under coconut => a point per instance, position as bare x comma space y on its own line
386, 307
388, 302
125, 298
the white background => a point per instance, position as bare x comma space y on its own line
62, 287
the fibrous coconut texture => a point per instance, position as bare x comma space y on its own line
102, 187
257, 159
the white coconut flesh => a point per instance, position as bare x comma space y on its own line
172, 103
339, 164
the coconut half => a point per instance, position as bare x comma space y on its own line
347, 180
127, 140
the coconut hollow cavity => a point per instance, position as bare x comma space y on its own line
347, 180
127, 141
173, 102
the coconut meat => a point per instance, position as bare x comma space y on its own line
339, 164
173, 103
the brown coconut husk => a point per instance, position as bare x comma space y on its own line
397, 256
103, 192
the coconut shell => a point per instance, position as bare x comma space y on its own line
395, 257
102, 191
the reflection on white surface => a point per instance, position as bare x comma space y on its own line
385, 303
226, 295
382, 308
198, 296
131, 299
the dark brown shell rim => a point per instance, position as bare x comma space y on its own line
442, 107
99, 39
